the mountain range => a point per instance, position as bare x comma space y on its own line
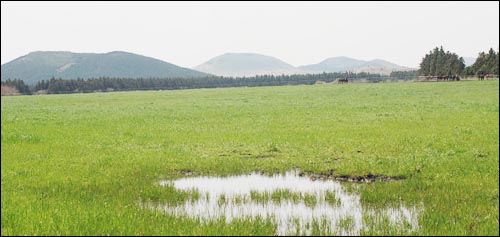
43, 65
249, 64
342, 64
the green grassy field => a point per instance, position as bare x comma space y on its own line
79, 164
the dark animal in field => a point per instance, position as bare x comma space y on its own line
442, 78
481, 77
342, 80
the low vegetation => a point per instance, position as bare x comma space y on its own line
80, 164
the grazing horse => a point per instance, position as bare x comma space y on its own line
442, 78
452, 78
342, 80
481, 77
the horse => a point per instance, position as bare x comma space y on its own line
342, 80
481, 77
442, 78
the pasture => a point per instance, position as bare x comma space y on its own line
81, 164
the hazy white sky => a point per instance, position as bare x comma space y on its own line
190, 33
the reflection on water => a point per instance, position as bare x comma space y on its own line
333, 209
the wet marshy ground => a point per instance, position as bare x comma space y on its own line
294, 202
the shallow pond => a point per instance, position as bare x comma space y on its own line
295, 204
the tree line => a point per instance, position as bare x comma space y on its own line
104, 84
404, 75
15, 86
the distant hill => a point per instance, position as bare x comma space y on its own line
342, 64
247, 64
42, 65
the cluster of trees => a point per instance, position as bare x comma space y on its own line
486, 63
60, 86
441, 63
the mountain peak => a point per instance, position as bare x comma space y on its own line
118, 52
43, 65
378, 60
246, 64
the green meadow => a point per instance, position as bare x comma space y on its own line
80, 164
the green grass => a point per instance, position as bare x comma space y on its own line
80, 164
332, 199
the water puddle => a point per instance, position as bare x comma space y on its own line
295, 204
